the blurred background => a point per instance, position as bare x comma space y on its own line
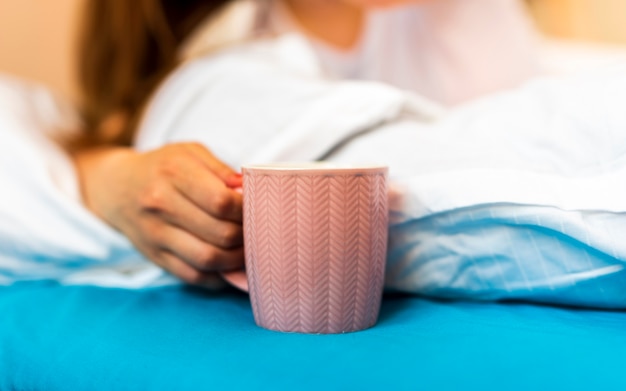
37, 40
37, 36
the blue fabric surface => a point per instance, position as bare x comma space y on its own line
56, 337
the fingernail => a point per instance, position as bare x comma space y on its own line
234, 181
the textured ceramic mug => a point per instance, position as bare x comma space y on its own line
315, 244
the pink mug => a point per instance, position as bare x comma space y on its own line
315, 238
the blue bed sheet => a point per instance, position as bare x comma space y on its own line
55, 337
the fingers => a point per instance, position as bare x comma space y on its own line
185, 272
180, 208
198, 254
174, 264
182, 213
187, 257
235, 182
208, 192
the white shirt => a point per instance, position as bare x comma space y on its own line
447, 50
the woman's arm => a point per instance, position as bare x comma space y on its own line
176, 204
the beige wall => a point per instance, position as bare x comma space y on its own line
36, 40
36, 36
595, 20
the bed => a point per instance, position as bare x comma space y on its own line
55, 337
80, 337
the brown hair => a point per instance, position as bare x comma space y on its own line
127, 47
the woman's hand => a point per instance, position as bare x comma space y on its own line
176, 204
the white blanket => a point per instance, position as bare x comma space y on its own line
519, 195
45, 232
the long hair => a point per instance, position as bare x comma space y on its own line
126, 49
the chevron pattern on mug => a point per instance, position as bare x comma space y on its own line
315, 242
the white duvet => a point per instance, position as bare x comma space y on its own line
519, 195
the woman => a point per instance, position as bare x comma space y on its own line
177, 203
517, 195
